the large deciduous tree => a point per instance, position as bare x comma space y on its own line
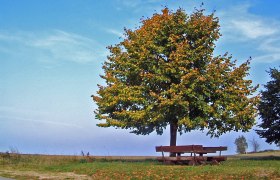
164, 73
269, 109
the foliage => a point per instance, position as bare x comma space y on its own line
241, 144
164, 73
269, 109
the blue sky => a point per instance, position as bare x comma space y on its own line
51, 54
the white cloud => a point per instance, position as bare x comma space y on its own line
137, 3
20, 110
259, 33
22, 115
271, 45
142, 7
115, 32
271, 49
253, 28
130, 3
42, 122
239, 24
52, 46
267, 58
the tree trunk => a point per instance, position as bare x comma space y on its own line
173, 136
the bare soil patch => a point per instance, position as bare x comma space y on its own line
44, 176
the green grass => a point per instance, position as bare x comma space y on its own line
57, 167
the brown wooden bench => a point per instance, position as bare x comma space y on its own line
196, 154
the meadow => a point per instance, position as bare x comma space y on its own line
264, 165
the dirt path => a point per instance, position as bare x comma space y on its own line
43, 176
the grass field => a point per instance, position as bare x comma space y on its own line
251, 166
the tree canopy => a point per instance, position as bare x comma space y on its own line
241, 144
164, 73
269, 109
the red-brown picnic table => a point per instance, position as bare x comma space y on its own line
193, 149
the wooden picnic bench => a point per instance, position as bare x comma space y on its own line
196, 154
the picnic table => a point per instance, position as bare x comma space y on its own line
196, 156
